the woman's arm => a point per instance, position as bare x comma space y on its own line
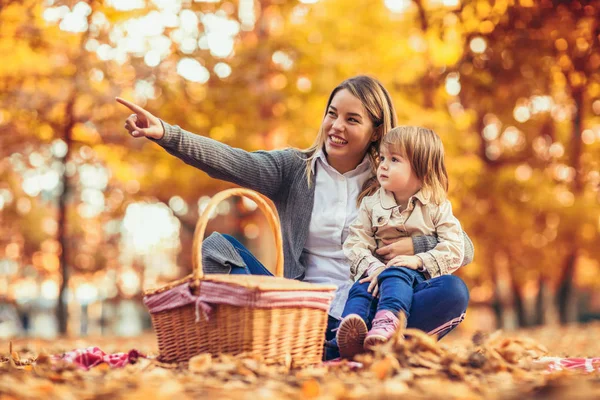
261, 171
421, 244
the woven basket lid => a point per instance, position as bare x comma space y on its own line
267, 283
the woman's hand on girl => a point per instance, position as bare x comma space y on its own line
141, 123
412, 262
396, 247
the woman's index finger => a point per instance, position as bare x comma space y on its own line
133, 107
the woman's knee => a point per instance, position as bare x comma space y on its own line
219, 255
456, 291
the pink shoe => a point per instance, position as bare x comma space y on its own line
351, 335
385, 324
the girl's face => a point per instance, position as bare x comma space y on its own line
396, 175
348, 130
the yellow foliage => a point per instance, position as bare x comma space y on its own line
223, 133
117, 161
162, 170
444, 52
484, 8
84, 104
85, 134
500, 7
45, 132
527, 3
588, 271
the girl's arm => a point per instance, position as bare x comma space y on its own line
360, 243
447, 256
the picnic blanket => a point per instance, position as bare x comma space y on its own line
574, 364
93, 356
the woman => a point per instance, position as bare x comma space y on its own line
315, 192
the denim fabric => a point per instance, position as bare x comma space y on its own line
331, 350
396, 287
253, 266
435, 302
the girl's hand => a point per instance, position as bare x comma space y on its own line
142, 123
399, 247
373, 287
412, 262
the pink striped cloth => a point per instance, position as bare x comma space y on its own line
574, 364
178, 296
219, 293
92, 356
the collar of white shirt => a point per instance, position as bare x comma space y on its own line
388, 201
360, 168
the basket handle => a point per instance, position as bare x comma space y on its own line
268, 210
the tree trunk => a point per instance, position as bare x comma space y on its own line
565, 295
504, 301
545, 310
565, 298
519, 304
62, 306
540, 303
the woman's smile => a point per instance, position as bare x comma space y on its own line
336, 140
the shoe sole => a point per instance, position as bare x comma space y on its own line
351, 336
374, 340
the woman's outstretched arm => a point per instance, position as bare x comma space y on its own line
262, 171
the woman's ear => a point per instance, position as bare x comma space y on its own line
377, 134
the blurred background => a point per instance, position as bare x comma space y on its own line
90, 217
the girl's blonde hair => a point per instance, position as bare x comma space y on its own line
378, 103
424, 150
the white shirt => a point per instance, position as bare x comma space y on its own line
334, 209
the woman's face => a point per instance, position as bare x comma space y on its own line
348, 130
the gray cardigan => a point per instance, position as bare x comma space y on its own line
279, 175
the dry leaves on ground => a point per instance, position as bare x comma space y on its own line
493, 366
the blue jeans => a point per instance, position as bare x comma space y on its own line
438, 304
253, 266
396, 287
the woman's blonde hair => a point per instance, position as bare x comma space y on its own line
378, 104
424, 150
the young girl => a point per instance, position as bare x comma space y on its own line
409, 199
315, 191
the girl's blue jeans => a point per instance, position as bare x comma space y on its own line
396, 288
438, 305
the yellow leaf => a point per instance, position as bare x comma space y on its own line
84, 134
311, 389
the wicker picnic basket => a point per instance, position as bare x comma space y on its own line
277, 319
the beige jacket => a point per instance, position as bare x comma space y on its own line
379, 217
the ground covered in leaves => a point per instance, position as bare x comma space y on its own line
486, 366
